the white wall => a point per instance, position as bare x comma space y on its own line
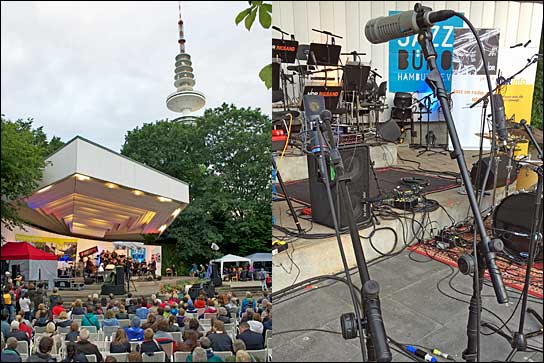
518, 22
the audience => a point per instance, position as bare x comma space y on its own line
120, 343
86, 347
163, 320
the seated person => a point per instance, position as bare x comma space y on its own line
253, 341
17, 333
223, 315
43, 353
110, 319
72, 355
200, 302
122, 313
134, 332
142, 312
58, 308
78, 308
73, 334
162, 330
220, 340
181, 318
63, 321
86, 347
150, 346
10, 353
190, 341
171, 324
209, 355
120, 343
89, 319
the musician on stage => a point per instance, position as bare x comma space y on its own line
153, 266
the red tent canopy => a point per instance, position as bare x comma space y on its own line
23, 251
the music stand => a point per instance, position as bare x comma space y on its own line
354, 78
286, 50
331, 94
325, 54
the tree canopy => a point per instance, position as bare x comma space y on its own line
24, 151
225, 158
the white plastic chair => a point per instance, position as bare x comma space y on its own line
124, 323
120, 357
156, 357
223, 355
181, 356
22, 347
91, 328
109, 330
91, 357
260, 354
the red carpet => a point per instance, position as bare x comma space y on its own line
513, 273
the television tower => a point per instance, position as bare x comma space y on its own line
185, 99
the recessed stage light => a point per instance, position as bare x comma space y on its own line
162, 228
45, 189
82, 177
164, 199
176, 212
112, 186
137, 192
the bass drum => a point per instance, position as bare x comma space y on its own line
512, 222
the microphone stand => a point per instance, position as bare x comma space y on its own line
371, 325
485, 251
518, 341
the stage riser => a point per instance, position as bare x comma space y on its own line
322, 257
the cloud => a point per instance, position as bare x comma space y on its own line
99, 69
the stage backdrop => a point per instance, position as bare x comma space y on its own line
64, 246
469, 83
407, 65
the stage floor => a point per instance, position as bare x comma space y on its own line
414, 312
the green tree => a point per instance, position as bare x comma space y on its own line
264, 10
24, 151
225, 160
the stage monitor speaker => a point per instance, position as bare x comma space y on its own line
389, 131
356, 159
501, 175
119, 275
88, 281
106, 289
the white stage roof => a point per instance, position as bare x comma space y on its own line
90, 191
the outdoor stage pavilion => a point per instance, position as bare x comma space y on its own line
92, 196
91, 192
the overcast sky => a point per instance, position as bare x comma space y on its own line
99, 69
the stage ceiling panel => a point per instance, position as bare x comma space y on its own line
90, 191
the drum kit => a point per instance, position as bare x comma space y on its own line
513, 216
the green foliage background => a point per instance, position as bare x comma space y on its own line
225, 158
537, 110
24, 150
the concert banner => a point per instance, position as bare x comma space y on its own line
63, 248
407, 65
518, 95
469, 83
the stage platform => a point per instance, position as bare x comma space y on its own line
147, 288
321, 256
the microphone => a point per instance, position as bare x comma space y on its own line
406, 23
278, 29
500, 117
